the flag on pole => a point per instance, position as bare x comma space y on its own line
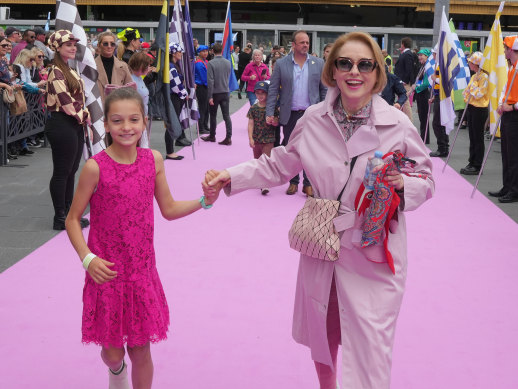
228, 47
495, 64
171, 122
430, 65
67, 18
47, 25
462, 80
181, 32
449, 67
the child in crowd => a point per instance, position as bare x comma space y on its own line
139, 67
123, 300
260, 134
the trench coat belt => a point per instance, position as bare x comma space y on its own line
345, 222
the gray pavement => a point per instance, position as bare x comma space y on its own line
26, 209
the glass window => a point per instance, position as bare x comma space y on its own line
323, 39
418, 42
264, 38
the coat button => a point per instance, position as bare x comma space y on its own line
346, 163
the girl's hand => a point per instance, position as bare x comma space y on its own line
98, 270
395, 179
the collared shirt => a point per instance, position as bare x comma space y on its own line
300, 100
61, 99
349, 124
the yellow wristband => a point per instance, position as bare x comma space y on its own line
87, 259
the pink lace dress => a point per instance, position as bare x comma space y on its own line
132, 308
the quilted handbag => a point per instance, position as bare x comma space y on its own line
313, 232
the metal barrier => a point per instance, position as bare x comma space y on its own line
17, 127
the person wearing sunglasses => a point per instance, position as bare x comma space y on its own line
111, 69
355, 300
27, 42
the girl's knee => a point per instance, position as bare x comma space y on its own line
112, 356
140, 354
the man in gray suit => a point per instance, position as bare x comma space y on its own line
296, 83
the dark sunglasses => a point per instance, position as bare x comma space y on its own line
32, 36
363, 65
5, 45
106, 44
40, 56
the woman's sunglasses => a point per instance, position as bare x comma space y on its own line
39, 56
363, 65
106, 44
5, 45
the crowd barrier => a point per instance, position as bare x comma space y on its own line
13, 128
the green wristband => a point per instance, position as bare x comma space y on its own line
203, 205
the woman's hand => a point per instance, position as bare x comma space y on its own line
99, 271
41, 83
251, 142
253, 77
394, 179
211, 192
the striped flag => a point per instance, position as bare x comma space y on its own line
462, 79
181, 32
429, 67
67, 18
495, 64
228, 47
449, 67
171, 122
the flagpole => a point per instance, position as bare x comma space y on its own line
427, 120
456, 133
496, 130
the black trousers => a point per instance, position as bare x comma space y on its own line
440, 131
477, 117
223, 100
287, 129
421, 99
509, 139
169, 141
66, 138
203, 107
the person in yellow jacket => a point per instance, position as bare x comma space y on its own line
476, 95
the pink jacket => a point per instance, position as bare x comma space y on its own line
369, 294
253, 69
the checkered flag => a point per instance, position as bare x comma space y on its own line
180, 32
67, 18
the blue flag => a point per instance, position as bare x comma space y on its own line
228, 47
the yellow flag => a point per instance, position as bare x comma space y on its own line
495, 64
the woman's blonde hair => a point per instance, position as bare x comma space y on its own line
329, 66
22, 57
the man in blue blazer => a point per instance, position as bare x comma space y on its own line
296, 83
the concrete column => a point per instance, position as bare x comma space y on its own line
437, 17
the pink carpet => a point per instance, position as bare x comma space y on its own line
229, 276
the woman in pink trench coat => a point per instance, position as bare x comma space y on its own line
355, 300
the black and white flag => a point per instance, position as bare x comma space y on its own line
67, 18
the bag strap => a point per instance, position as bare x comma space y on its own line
350, 171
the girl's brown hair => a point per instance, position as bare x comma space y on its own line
329, 66
139, 61
124, 93
73, 83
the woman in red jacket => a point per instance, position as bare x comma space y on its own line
255, 71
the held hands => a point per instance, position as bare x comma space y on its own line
99, 271
213, 183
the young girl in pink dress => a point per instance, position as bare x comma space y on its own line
123, 300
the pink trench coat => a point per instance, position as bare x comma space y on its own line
369, 295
